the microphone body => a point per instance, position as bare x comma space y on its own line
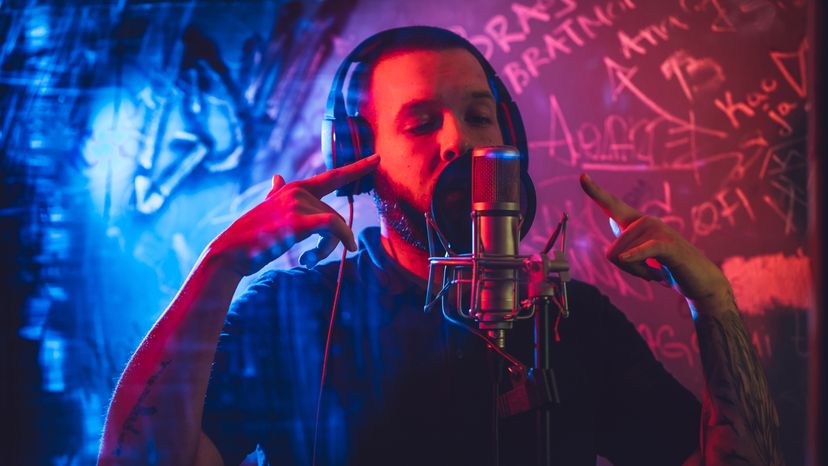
496, 218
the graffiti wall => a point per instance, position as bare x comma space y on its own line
132, 133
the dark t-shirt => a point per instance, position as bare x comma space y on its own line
407, 387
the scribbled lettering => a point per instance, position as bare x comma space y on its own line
790, 196
554, 45
667, 344
732, 109
664, 344
497, 28
498, 32
652, 34
735, 15
587, 24
525, 13
516, 75
532, 59
757, 101
707, 216
782, 165
621, 143
621, 79
560, 134
566, 7
792, 67
562, 39
694, 75
661, 206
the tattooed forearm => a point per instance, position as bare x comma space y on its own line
130, 423
739, 420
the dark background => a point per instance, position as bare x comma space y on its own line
131, 133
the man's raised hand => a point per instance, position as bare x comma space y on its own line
645, 243
290, 213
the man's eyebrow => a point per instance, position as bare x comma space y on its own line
412, 107
481, 95
420, 104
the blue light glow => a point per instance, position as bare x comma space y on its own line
52, 356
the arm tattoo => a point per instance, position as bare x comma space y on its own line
130, 423
739, 420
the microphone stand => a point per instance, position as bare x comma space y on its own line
542, 291
534, 388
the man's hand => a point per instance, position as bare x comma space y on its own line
290, 213
170, 371
645, 243
739, 423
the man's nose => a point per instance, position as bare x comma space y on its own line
454, 140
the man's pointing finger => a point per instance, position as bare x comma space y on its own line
326, 182
611, 205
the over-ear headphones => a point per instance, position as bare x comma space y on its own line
347, 136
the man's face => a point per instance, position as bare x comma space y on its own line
426, 108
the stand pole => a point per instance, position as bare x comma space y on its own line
543, 363
495, 425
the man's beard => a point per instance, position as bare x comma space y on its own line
395, 205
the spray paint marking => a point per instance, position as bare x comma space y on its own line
762, 283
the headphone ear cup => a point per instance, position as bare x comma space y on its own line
528, 202
337, 145
362, 136
514, 134
354, 141
513, 131
329, 153
505, 123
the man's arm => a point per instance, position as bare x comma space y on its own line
739, 424
739, 420
156, 412
157, 405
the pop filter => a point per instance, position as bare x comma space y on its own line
451, 204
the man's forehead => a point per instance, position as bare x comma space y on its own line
428, 74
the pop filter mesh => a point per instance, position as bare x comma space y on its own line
452, 197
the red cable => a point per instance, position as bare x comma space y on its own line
557, 333
330, 330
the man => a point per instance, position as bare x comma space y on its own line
405, 387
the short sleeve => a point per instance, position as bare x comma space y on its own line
239, 413
646, 416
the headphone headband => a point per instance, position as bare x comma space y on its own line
372, 47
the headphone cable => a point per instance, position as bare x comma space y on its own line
330, 330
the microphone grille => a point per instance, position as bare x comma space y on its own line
495, 174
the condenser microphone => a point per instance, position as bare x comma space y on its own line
482, 205
496, 222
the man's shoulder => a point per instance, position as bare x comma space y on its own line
297, 284
324, 274
271, 280
586, 299
275, 288
584, 290
594, 313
